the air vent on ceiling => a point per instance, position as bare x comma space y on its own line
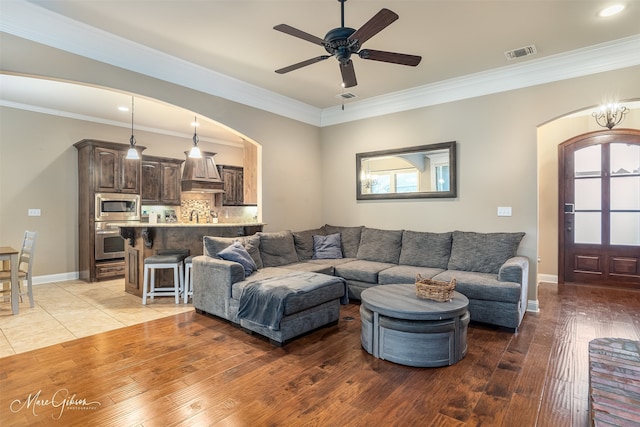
520, 52
346, 95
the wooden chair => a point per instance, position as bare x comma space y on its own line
25, 263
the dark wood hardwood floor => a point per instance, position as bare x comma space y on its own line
191, 370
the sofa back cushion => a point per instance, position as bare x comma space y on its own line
277, 248
303, 241
214, 245
424, 249
350, 237
482, 252
380, 245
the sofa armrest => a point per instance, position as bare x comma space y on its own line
514, 269
213, 279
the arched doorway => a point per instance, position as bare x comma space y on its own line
599, 209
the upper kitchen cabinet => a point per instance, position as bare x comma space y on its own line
233, 179
105, 166
160, 181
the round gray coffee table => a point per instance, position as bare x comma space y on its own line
402, 328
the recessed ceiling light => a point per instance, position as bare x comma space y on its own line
122, 108
611, 10
195, 124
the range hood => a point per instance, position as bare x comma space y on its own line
201, 175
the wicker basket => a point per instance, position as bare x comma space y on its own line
434, 289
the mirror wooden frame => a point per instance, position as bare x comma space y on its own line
451, 193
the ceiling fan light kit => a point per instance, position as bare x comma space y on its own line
343, 41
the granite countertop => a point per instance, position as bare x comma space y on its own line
139, 224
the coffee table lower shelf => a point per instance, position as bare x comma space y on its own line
420, 334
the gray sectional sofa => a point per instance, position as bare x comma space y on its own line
486, 266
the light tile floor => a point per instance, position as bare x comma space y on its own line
68, 310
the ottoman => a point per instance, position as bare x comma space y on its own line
314, 302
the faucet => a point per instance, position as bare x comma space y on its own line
191, 216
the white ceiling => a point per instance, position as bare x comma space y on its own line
459, 41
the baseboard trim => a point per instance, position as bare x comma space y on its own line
533, 306
52, 278
548, 278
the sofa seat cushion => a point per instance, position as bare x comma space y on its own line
405, 274
482, 286
334, 289
331, 262
361, 270
310, 267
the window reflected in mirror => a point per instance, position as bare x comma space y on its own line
412, 172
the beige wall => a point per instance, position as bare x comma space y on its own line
550, 135
307, 174
44, 145
497, 158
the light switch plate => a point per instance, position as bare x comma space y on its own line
33, 212
504, 210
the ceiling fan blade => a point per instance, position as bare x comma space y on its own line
393, 57
373, 26
287, 29
302, 64
348, 74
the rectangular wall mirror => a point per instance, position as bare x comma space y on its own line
407, 173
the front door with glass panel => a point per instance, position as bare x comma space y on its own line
599, 218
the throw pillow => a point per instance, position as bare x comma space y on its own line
482, 252
214, 244
380, 245
237, 253
327, 247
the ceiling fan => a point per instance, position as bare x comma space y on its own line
343, 41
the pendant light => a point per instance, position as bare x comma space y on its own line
195, 151
132, 154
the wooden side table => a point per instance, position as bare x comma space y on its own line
11, 254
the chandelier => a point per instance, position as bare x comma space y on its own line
610, 115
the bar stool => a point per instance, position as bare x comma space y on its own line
188, 278
164, 258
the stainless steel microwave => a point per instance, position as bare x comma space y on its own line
117, 207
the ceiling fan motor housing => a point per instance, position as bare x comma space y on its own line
337, 43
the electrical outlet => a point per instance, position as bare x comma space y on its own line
504, 210
33, 212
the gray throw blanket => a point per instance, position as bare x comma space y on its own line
262, 302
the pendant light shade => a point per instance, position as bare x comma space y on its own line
195, 151
132, 154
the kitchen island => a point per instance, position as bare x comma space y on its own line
144, 239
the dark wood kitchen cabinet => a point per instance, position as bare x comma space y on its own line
114, 173
233, 179
160, 180
102, 168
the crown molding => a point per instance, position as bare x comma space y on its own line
594, 59
32, 22
102, 121
29, 21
